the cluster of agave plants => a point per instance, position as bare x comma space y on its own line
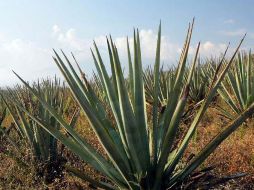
142, 150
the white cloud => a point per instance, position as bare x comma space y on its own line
25, 58
208, 45
170, 51
239, 32
55, 29
70, 41
229, 21
148, 40
70, 38
209, 48
32, 61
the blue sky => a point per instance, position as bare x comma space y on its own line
30, 29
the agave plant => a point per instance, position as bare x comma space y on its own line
140, 154
199, 84
165, 86
3, 114
46, 159
2, 110
98, 88
237, 90
7, 142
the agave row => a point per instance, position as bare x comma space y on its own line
141, 155
43, 146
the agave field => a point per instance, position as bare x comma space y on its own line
186, 127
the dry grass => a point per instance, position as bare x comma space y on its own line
236, 154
